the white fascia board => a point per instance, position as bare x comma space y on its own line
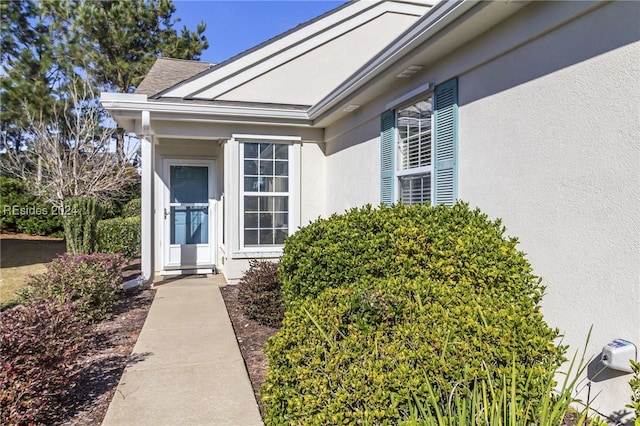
434, 21
126, 97
246, 68
205, 112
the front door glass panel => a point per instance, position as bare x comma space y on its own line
189, 204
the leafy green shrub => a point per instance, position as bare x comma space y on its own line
635, 389
445, 243
23, 212
132, 208
260, 295
384, 303
362, 354
119, 235
80, 221
90, 282
40, 343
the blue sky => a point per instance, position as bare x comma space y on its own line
234, 26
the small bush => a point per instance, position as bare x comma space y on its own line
80, 221
23, 212
119, 235
90, 282
40, 343
362, 354
132, 208
260, 295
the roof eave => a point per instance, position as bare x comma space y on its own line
127, 106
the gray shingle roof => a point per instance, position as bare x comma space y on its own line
167, 72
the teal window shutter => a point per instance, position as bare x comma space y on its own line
446, 142
387, 161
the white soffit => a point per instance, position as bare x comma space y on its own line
272, 55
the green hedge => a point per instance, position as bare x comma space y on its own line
382, 302
23, 212
132, 208
119, 235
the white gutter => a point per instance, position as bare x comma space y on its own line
136, 103
439, 17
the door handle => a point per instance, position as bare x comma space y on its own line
166, 213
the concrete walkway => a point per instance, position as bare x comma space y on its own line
186, 367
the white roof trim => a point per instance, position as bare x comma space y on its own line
272, 55
131, 105
266, 137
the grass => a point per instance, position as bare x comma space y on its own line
21, 256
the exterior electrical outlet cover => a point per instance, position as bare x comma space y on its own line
616, 355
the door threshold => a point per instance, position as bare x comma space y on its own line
197, 271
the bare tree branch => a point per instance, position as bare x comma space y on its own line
72, 154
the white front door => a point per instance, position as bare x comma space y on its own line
189, 214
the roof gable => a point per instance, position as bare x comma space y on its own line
315, 56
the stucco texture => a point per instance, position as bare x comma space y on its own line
549, 144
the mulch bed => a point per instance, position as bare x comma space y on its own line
252, 337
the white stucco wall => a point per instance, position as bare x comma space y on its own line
557, 156
549, 141
353, 168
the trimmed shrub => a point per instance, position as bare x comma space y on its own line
90, 282
364, 354
80, 221
40, 344
386, 306
132, 208
119, 235
260, 295
23, 212
443, 243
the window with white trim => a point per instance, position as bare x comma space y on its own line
265, 195
414, 166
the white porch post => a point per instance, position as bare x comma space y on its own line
147, 213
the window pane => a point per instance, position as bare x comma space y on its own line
251, 204
266, 220
266, 167
250, 167
282, 168
280, 236
250, 150
414, 135
281, 184
280, 220
251, 220
266, 150
282, 152
415, 189
250, 238
252, 184
189, 184
266, 237
280, 204
189, 225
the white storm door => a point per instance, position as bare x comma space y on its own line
189, 215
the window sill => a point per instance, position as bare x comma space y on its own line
257, 254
